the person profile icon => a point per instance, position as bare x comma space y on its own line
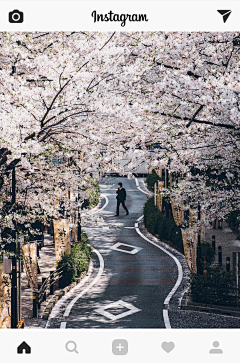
216, 350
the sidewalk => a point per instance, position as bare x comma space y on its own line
226, 239
46, 264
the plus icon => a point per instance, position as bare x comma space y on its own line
119, 347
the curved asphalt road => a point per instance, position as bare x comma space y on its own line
130, 292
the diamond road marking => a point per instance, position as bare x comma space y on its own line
119, 303
117, 247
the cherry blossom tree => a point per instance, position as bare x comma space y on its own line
185, 103
114, 95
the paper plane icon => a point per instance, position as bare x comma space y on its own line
225, 14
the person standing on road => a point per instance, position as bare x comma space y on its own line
121, 197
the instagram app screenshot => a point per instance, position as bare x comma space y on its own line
119, 180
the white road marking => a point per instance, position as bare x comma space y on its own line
57, 308
166, 319
120, 303
63, 325
137, 182
96, 209
119, 244
140, 189
143, 191
140, 218
178, 282
129, 227
100, 271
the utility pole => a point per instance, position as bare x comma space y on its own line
14, 310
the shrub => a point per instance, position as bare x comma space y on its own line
165, 228
75, 262
216, 287
151, 179
94, 194
207, 252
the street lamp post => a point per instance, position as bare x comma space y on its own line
14, 310
79, 229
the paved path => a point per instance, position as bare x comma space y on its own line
131, 279
135, 280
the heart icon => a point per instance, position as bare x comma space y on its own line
168, 346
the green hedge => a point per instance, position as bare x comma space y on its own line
94, 194
207, 252
165, 228
151, 179
216, 287
75, 262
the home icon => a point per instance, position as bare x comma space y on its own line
24, 347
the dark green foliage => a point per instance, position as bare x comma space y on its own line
94, 194
75, 262
151, 179
207, 252
216, 287
165, 228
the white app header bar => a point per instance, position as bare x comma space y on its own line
119, 16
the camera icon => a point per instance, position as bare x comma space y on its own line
15, 16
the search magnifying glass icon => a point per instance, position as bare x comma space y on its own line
71, 346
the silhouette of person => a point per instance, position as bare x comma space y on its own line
216, 350
121, 197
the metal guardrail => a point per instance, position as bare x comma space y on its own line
48, 285
45, 289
